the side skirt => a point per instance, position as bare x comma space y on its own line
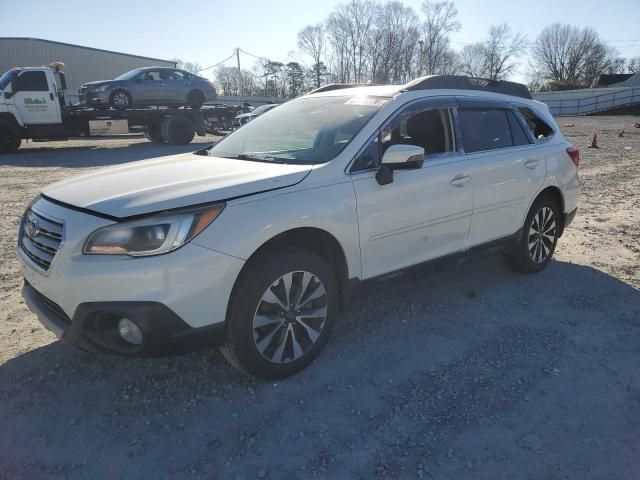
502, 245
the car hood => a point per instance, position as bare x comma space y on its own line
171, 182
98, 83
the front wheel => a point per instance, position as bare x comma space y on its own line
120, 100
281, 314
539, 237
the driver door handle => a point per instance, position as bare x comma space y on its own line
460, 180
51, 95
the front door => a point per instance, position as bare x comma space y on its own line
36, 99
423, 214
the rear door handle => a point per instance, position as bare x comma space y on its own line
460, 180
532, 163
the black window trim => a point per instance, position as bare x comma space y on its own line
439, 102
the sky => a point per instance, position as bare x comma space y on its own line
208, 31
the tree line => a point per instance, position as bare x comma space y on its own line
375, 42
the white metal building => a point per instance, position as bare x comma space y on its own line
82, 64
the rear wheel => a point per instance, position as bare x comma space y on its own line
195, 99
153, 133
120, 100
178, 130
10, 138
539, 237
281, 314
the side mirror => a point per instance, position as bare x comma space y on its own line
399, 157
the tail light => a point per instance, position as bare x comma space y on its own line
574, 154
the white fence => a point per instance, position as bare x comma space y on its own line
583, 102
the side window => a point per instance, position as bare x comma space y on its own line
32, 81
517, 133
485, 129
176, 75
420, 125
150, 76
540, 130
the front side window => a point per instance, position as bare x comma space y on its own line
426, 127
540, 130
32, 81
485, 129
151, 76
306, 130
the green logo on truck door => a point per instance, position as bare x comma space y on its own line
36, 105
35, 101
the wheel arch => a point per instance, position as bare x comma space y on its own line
315, 240
555, 193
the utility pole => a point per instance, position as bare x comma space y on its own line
239, 71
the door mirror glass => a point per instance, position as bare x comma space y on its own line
399, 157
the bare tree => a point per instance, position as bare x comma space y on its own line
633, 65
350, 25
311, 40
393, 38
472, 60
193, 67
436, 54
570, 55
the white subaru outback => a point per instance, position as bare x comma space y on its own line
255, 243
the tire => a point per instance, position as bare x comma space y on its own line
536, 247
153, 133
120, 100
294, 341
178, 130
195, 99
10, 138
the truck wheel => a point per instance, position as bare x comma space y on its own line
195, 99
178, 130
10, 138
120, 100
153, 133
281, 313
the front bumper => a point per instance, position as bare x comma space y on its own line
190, 286
93, 327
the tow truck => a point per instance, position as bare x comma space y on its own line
33, 106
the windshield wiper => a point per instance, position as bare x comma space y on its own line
259, 158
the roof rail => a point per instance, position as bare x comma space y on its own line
462, 82
337, 86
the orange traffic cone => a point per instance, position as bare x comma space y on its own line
594, 142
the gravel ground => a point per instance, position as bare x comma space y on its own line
471, 371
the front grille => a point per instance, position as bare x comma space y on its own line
40, 238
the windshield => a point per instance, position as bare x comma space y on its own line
130, 75
306, 130
6, 78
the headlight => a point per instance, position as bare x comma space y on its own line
150, 236
102, 88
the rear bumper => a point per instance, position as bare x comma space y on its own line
93, 327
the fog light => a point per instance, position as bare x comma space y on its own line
129, 331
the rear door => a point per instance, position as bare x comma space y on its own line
507, 170
424, 213
36, 98
178, 85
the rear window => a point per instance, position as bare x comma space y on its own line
485, 129
540, 130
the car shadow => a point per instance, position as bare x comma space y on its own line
99, 155
165, 417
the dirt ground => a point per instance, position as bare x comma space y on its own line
471, 371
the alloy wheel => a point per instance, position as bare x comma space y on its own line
542, 235
120, 100
290, 317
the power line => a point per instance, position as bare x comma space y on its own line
219, 63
